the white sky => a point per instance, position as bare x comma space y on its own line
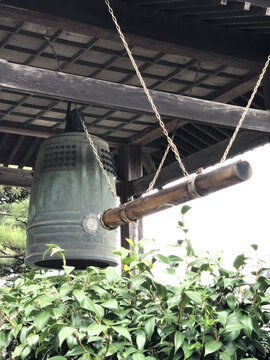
228, 220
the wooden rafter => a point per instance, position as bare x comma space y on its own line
91, 18
118, 96
261, 3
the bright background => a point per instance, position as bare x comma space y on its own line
228, 220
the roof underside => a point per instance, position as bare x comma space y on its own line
24, 40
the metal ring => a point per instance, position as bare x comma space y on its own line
102, 223
192, 188
123, 215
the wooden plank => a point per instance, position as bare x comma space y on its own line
14, 151
118, 96
237, 91
26, 132
29, 152
16, 177
204, 158
153, 134
158, 31
114, 143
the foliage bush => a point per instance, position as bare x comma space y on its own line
14, 202
99, 314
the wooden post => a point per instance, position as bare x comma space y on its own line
129, 168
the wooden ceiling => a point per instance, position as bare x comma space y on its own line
205, 49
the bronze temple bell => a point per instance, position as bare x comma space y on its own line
71, 201
68, 195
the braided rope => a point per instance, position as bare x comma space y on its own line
149, 97
98, 159
224, 157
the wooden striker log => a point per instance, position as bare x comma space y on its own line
201, 185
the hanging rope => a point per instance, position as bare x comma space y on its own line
152, 183
89, 137
149, 97
224, 157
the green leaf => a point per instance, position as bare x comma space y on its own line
77, 350
68, 269
248, 327
190, 251
64, 290
254, 246
95, 329
18, 350
122, 331
140, 339
222, 317
54, 250
111, 275
239, 261
64, 332
3, 340
99, 311
138, 356
58, 312
122, 252
26, 351
178, 340
130, 242
79, 295
45, 300
88, 304
149, 327
58, 357
41, 320
211, 345
224, 356
137, 280
112, 350
231, 301
194, 296
185, 209
9, 299
110, 304
186, 349
163, 259
175, 259
32, 340
162, 291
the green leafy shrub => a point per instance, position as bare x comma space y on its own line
99, 314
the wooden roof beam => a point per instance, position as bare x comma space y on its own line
15, 177
37, 81
145, 28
